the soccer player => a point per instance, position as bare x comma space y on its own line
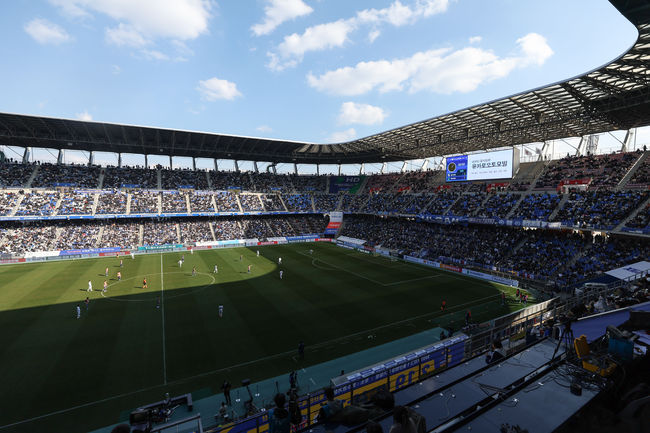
194, 271
281, 274
144, 284
106, 272
121, 263
443, 305
87, 302
311, 251
157, 302
183, 258
279, 260
240, 257
180, 263
105, 286
191, 251
90, 286
78, 311
216, 269
132, 255
119, 276
249, 268
220, 310
258, 253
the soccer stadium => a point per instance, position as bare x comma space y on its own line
467, 283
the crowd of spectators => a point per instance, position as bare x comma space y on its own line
537, 206
159, 233
354, 202
29, 237
382, 182
272, 202
226, 202
641, 220
15, 175
183, 178
120, 234
268, 182
599, 209
442, 201
641, 176
298, 202
224, 180
172, 202
80, 176
129, 177
325, 202
8, 202
498, 205
417, 205
308, 183
76, 203
38, 203
467, 204
250, 202
195, 231
227, 229
201, 201
77, 236
603, 170
111, 202
143, 201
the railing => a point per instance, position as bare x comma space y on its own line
188, 425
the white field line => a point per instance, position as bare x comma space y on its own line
162, 309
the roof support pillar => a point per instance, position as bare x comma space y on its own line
317, 169
339, 169
236, 165
146, 161
274, 168
628, 142
193, 163
59, 157
383, 168
170, 162
362, 168
581, 144
91, 158
403, 167
255, 166
119, 160
295, 168
216, 165
425, 164
26, 155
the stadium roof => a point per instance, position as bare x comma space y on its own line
613, 97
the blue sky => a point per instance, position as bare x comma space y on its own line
309, 70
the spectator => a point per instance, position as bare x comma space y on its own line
279, 421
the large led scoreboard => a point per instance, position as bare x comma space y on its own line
500, 164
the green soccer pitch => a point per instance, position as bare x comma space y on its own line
131, 345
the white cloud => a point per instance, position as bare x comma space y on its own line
279, 11
126, 35
335, 34
45, 32
365, 114
440, 71
343, 136
535, 48
154, 55
85, 116
214, 88
264, 128
475, 39
173, 19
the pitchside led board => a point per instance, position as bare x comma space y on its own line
500, 164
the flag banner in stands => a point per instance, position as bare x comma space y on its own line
350, 184
336, 219
89, 251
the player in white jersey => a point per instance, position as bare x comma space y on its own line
132, 255
90, 286
191, 251
105, 286
220, 310
281, 272
311, 251
180, 263
78, 311
106, 272
279, 260
194, 271
258, 253
216, 269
